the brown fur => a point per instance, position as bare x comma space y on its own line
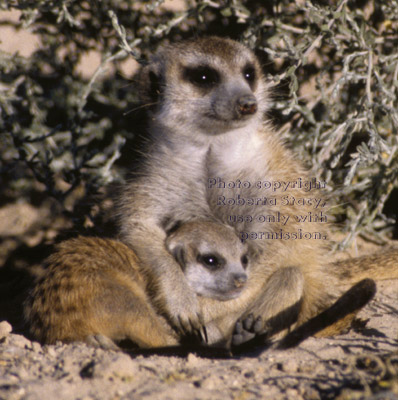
92, 287
94, 290
200, 133
380, 265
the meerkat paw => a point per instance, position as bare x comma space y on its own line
187, 318
193, 326
102, 341
246, 329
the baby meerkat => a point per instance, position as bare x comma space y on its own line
212, 156
94, 291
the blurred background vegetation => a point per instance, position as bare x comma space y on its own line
70, 119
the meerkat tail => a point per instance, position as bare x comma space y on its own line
378, 266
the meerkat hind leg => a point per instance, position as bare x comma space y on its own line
327, 323
127, 315
247, 329
276, 309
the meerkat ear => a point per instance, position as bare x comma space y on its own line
176, 249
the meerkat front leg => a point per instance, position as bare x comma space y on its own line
167, 285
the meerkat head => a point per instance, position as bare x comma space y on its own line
212, 257
207, 86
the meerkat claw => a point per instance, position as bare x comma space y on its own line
203, 335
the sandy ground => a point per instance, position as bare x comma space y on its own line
358, 364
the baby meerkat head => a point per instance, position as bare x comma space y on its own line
212, 257
209, 86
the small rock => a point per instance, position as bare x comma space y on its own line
288, 366
13, 392
292, 394
311, 394
192, 360
119, 366
36, 347
249, 374
5, 329
20, 341
50, 351
236, 383
209, 383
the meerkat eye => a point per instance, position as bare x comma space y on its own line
210, 261
244, 260
249, 73
202, 76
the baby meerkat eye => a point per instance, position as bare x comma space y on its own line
205, 77
244, 260
249, 73
210, 261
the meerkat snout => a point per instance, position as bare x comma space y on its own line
246, 105
240, 280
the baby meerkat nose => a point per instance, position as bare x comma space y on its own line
240, 280
246, 105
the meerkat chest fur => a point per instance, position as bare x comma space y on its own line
210, 97
238, 151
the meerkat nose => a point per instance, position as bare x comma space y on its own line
246, 104
240, 280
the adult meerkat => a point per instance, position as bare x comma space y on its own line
212, 156
93, 289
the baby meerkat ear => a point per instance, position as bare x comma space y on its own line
176, 249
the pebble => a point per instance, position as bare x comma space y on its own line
116, 366
311, 394
21, 341
50, 351
192, 360
209, 383
36, 347
5, 329
292, 394
288, 366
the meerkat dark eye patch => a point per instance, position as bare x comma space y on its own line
249, 73
211, 261
244, 260
203, 76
